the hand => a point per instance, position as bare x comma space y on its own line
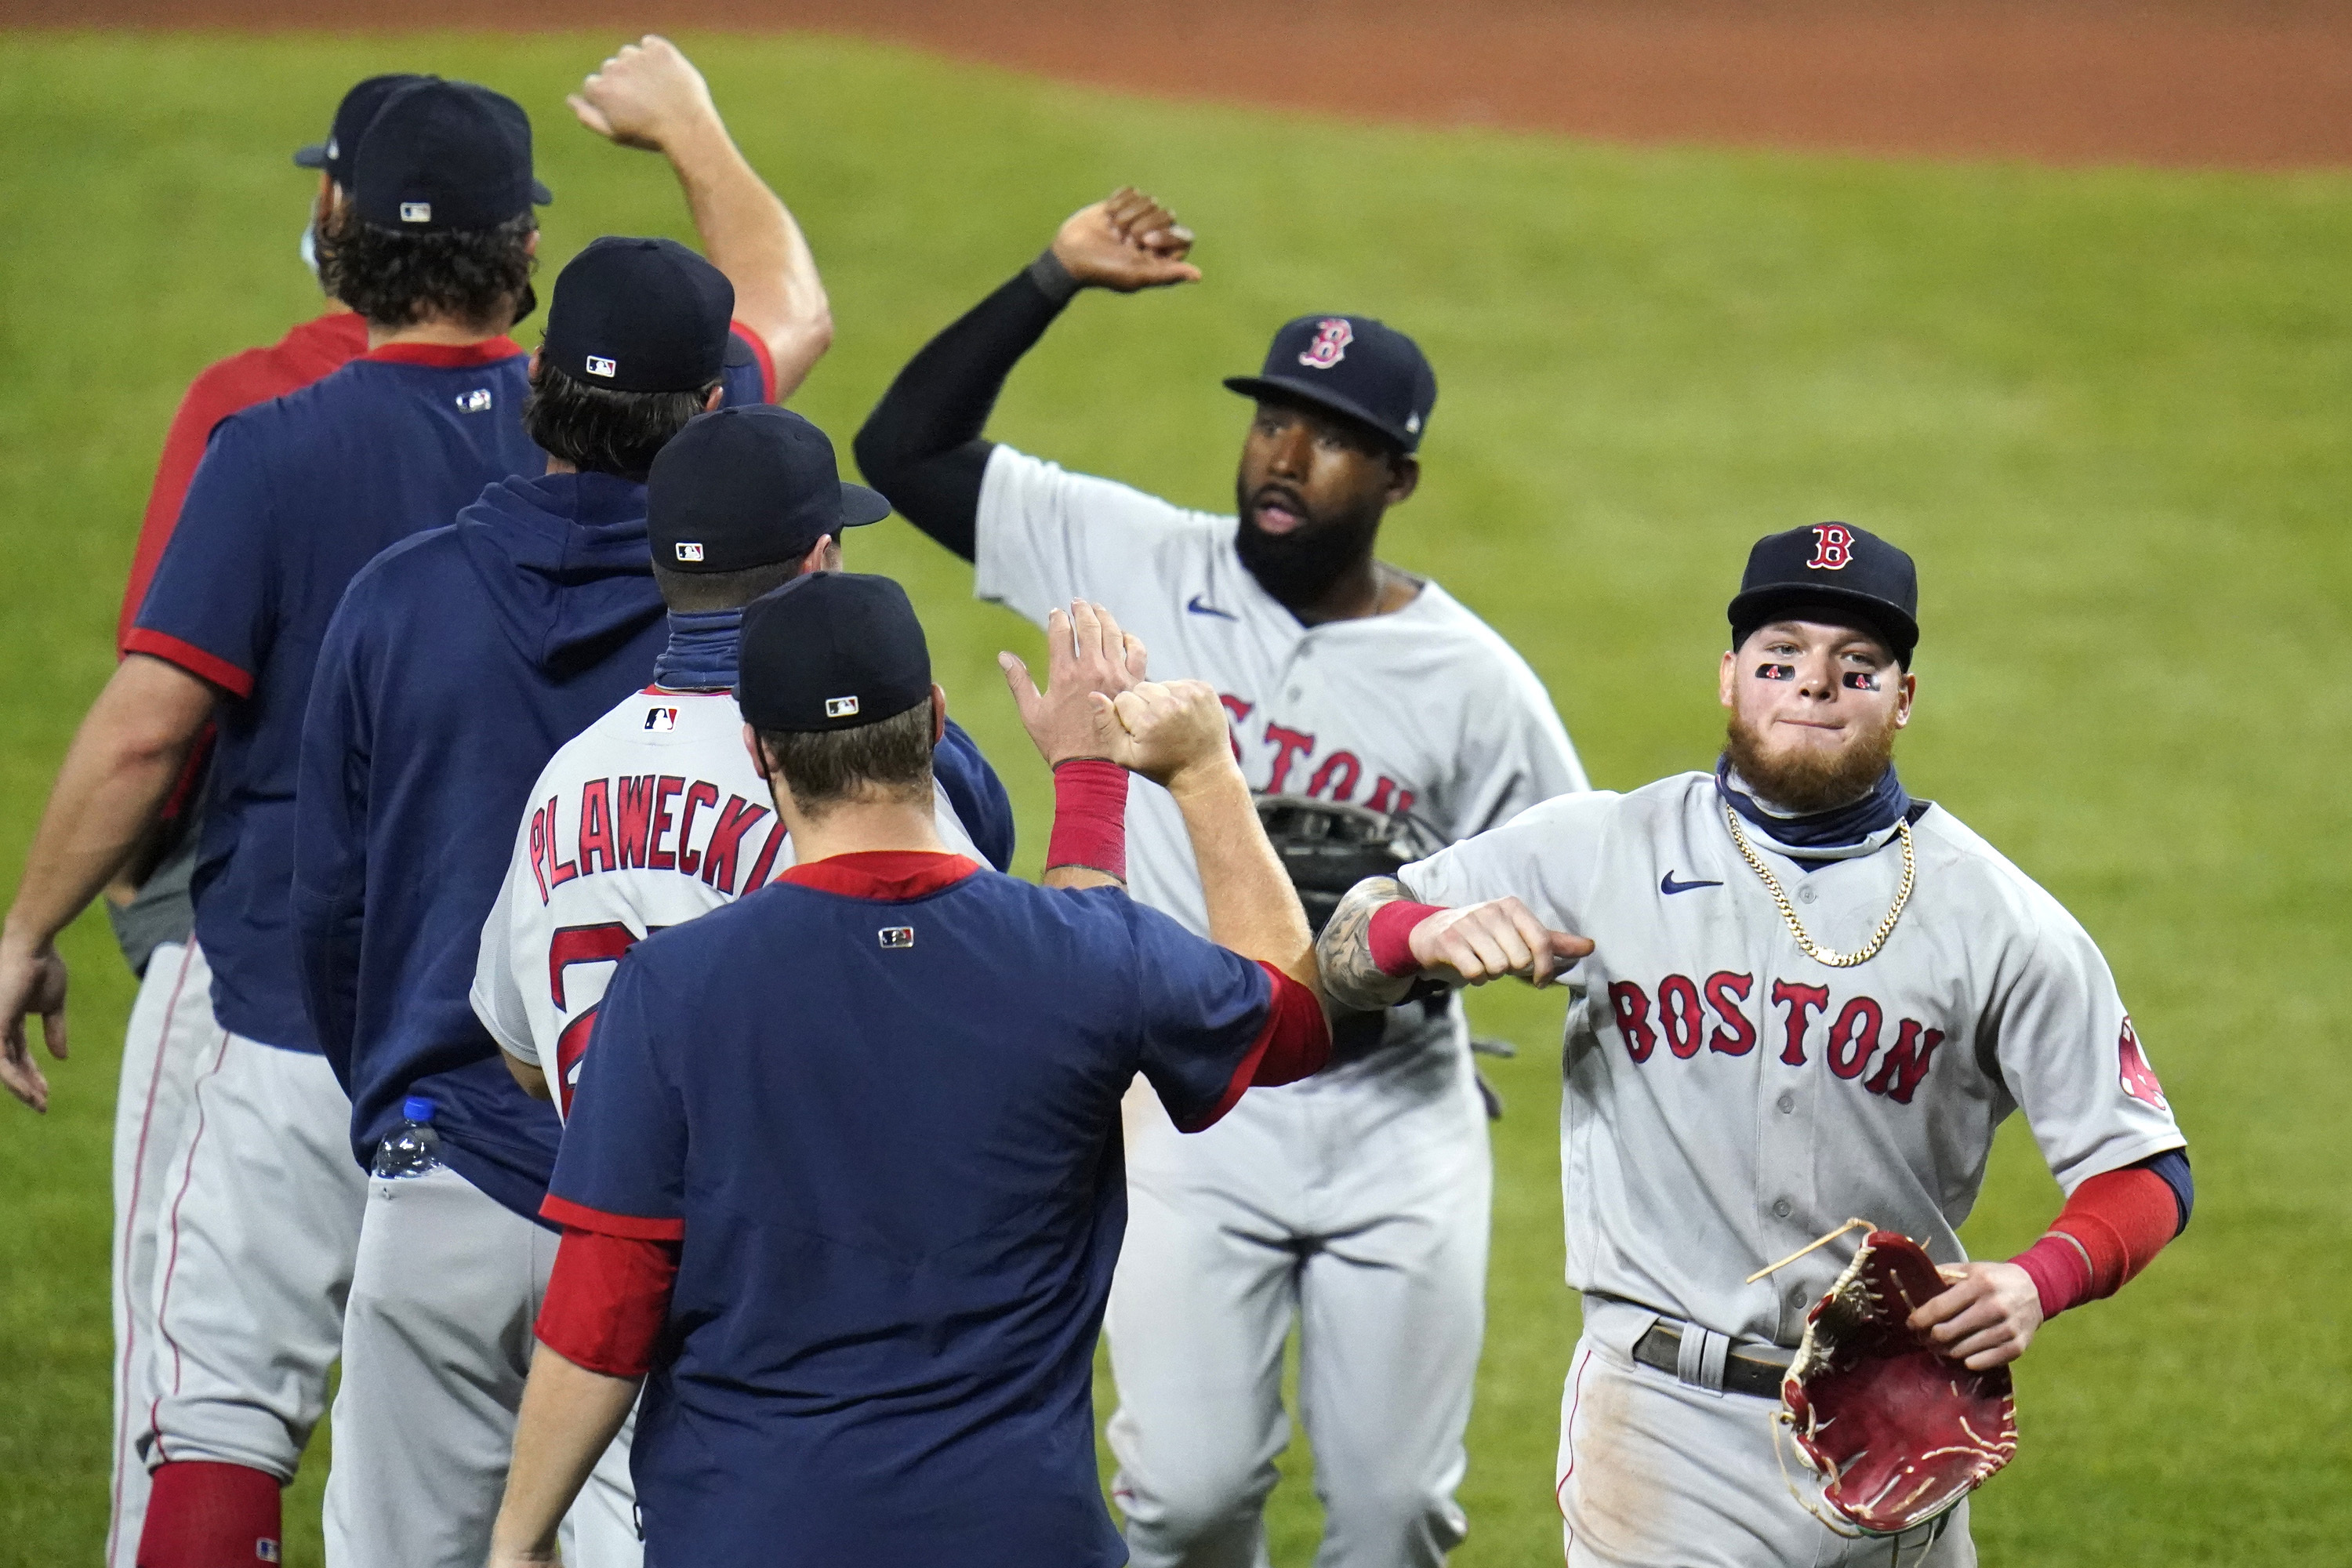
1988, 1317
32, 979
1486, 941
1088, 661
1126, 242
646, 95
1174, 733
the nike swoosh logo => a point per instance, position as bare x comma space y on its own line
1666, 884
1199, 608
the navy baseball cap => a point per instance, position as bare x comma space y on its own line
442, 155
1835, 566
352, 117
1355, 364
748, 487
640, 315
833, 651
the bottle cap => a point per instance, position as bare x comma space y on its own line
416, 1107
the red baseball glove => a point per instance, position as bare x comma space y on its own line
1897, 1431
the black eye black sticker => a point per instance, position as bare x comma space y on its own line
1861, 680
1776, 672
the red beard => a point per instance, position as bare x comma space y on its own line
1804, 780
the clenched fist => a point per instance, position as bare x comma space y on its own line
646, 96
1124, 242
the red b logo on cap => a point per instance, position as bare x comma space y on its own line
1330, 344
1833, 547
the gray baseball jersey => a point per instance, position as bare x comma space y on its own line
1425, 710
1728, 1099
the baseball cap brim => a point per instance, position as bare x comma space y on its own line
860, 506
1759, 607
1261, 386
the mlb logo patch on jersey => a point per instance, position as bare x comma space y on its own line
659, 719
599, 365
896, 936
688, 550
416, 212
475, 402
840, 707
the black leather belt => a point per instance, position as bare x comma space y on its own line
1747, 1369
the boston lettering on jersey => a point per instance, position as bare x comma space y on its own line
651, 822
1849, 1037
1294, 769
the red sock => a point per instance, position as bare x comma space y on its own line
210, 1516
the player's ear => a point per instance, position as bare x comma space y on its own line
1404, 478
938, 714
825, 555
530, 371
1726, 679
752, 745
717, 396
1908, 690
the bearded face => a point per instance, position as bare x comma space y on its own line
1311, 492
1816, 707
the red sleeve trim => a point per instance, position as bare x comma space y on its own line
759, 348
2120, 1221
189, 657
1295, 1043
607, 1301
635, 1228
1391, 934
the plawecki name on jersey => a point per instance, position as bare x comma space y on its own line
652, 815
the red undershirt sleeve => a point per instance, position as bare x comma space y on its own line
1295, 1043
2112, 1228
607, 1299
1391, 936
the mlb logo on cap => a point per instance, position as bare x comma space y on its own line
688, 550
416, 212
598, 366
840, 707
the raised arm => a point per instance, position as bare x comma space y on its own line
921, 447
649, 96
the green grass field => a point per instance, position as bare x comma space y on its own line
2106, 410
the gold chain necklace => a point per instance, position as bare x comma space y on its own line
1813, 950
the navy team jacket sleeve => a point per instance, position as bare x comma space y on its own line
210, 608
977, 795
330, 840
1201, 1011
622, 1167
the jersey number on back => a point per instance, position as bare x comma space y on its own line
580, 944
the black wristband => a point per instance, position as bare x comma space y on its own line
1052, 278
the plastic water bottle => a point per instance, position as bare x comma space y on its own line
413, 1148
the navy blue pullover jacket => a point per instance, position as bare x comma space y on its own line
463, 659
456, 664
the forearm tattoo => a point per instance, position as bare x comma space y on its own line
1344, 951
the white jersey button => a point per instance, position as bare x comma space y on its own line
1804, 892
1784, 1208
1786, 1102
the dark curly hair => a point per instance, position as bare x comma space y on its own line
479, 278
600, 431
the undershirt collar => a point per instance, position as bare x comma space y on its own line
702, 655
888, 876
1842, 833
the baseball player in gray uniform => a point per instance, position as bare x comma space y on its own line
1815, 998
1356, 1203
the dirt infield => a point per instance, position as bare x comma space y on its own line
2244, 83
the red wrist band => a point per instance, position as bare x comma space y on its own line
1089, 816
1391, 934
2061, 1275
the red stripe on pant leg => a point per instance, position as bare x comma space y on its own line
122, 1263
164, 1296
1568, 1440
